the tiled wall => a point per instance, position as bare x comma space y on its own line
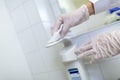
48, 10
13, 64
44, 63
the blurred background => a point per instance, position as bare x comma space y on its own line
24, 32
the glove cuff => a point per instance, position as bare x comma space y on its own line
85, 11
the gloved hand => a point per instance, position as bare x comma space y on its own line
71, 19
103, 46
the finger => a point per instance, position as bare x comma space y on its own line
94, 57
97, 57
87, 53
83, 49
97, 50
92, 60
57, 24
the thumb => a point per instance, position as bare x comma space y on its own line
57, 24
65, 30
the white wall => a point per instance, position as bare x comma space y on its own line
13, 65
44, 63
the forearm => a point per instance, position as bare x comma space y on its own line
90, 8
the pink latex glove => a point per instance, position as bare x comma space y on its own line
103, 46
71, 19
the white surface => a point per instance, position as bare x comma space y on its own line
43, 61
12, 4
39, 35
47, 26
48, 11
82, 39
111, 69
13, 65
33, 38
104, 29
45, 10
31, 12
67, 54
36, 63
27, 40
20, 19
94, 72
51, 59
56, 7
55, 75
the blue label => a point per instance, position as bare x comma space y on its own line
74, 73
73, 70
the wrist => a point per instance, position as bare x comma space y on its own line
90, 8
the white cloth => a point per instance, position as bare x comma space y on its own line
102, 5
